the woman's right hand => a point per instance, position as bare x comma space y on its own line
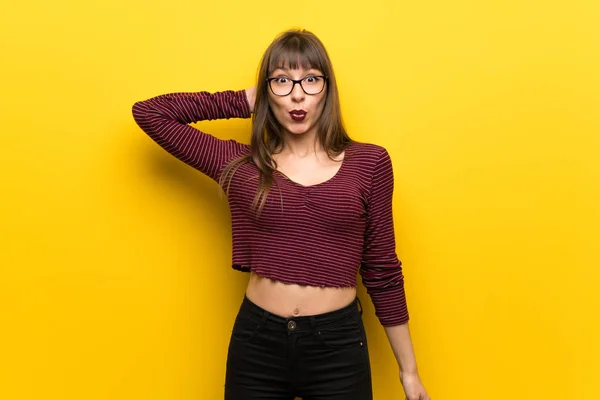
251, 95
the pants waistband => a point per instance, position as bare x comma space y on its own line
303, 322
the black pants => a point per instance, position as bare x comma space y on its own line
317, 357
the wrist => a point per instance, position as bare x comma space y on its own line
409, 372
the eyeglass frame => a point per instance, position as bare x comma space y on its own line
298, 81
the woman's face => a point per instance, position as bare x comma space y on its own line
297, 112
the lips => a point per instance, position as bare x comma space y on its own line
298, 115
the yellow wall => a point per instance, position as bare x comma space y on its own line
114, 265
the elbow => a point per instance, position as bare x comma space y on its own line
382, 277
138, 111
143, 117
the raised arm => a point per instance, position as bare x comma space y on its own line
165, 119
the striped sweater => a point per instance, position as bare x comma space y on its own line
318, 235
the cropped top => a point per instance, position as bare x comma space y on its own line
318, 235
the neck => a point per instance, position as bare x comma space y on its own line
301, 145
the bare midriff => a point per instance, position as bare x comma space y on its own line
291, 300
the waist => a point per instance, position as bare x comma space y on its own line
299, 323
292, 300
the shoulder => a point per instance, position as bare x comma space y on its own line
370, 153
376, 167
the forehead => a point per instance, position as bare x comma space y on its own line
289, 66
297, 68
296, 58
295, 71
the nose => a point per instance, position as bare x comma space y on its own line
297, 93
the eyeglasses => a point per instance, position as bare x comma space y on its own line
282, 86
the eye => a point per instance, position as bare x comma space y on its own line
281, 80
312, 79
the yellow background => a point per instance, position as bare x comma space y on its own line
115, 280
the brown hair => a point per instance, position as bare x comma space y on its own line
292, 48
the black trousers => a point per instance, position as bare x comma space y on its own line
316, 357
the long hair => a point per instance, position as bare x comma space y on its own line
292, 49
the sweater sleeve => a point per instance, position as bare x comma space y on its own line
165, 119
380, 269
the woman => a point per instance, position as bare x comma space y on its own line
310, 208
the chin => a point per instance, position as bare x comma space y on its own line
298, 129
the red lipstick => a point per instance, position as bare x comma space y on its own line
298, 115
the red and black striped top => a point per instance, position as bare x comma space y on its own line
319, 235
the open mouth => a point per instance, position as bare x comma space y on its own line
298, 115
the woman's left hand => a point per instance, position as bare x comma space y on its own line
413, 388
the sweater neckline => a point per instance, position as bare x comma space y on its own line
339, 171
